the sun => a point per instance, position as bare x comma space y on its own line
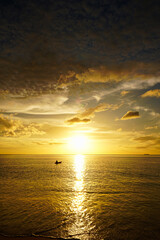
78, 143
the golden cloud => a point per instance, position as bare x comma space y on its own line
90, 111
121, 72
130, 115
123, 93
78, 120
5, 123
85, 117
10, 127
152, 93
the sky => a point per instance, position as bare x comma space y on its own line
79, 77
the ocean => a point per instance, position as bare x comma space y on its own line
108, 197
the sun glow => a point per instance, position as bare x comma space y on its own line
78, 143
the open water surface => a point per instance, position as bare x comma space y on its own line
109, 197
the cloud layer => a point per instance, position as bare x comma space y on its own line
46, 46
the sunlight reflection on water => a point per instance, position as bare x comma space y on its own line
79, 170
79, 197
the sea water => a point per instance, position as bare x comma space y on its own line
84, 197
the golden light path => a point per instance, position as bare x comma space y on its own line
79, 225
79, 168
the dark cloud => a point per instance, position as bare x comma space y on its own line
77, 120
44, 44
130, 115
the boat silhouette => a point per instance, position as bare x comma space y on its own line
57, 162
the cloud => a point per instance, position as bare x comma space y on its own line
3, 93
109, 88
43, 104
151, 127
146, 138
10, 127
88, 43
85, 117
99, 108
130, 115
152, 93
123, 93
151, 140
5, 123
146, 109
126, 71
48, 143
78, 120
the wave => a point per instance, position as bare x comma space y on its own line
32, 237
